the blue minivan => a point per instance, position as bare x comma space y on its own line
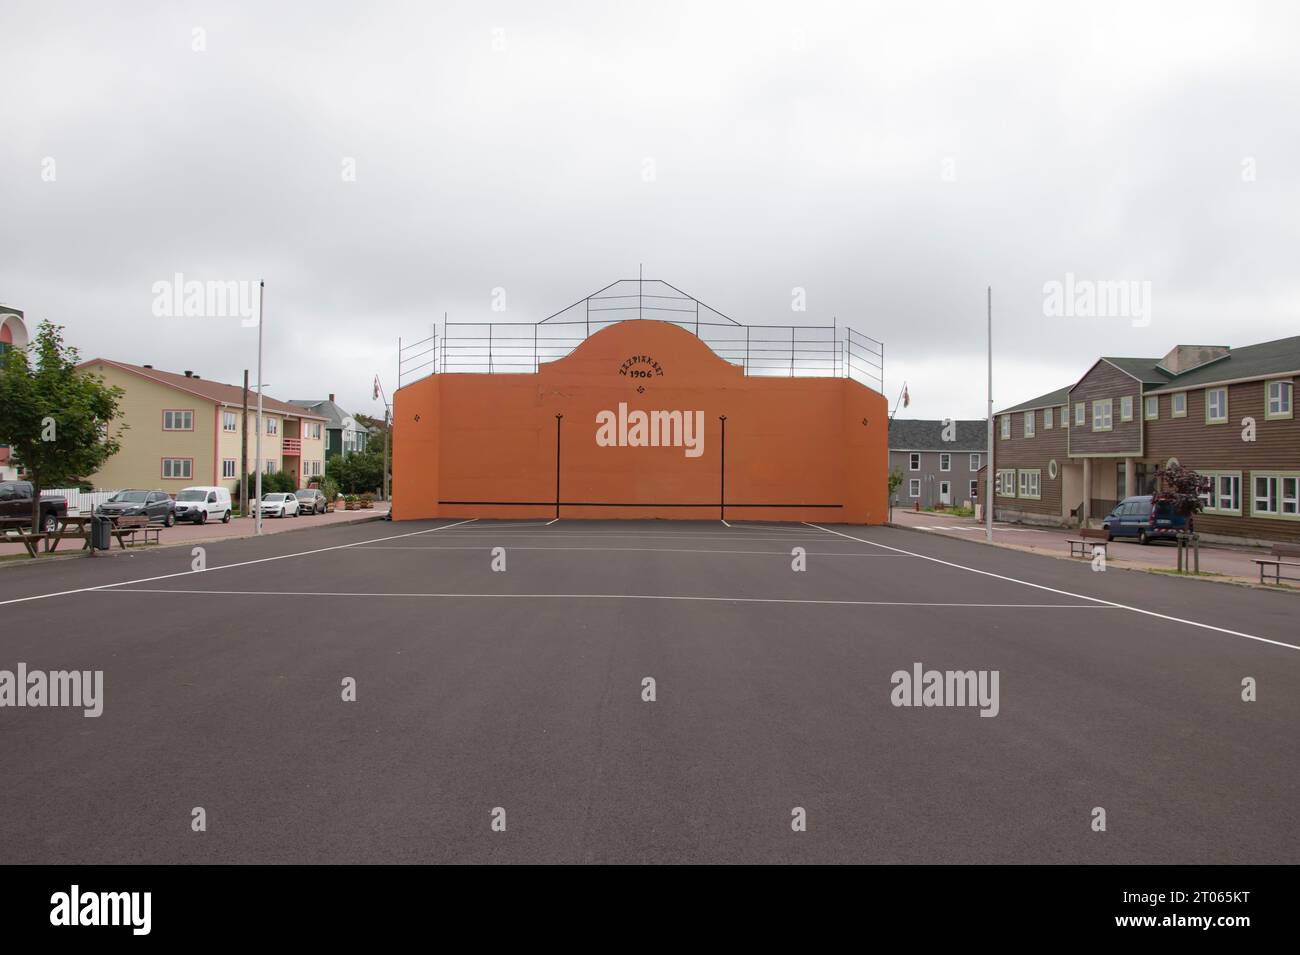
1139, 517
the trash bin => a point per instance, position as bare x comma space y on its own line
101, 537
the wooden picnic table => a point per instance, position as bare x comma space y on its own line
25, 537
79, 521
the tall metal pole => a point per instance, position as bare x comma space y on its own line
243, 453
257, 444
989, 492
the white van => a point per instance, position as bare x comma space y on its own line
202, 504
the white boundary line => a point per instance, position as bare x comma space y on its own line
751, 600
655, 550
242, 563
1063, 593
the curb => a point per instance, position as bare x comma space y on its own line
1121, 565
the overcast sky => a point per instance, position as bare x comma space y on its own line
892, 162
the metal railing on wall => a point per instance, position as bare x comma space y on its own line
800, 351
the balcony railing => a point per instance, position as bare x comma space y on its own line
291, 446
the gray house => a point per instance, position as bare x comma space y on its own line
939, 461
343, 433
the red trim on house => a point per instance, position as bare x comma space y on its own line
218, 423
163, 477
177, 411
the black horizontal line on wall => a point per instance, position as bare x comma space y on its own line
617, 504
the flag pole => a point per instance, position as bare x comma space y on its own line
989, 491
898, 402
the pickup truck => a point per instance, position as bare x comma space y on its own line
16, 503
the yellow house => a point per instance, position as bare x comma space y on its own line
187, 430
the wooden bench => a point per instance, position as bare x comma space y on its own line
1089, 539
132, 526
1275, 562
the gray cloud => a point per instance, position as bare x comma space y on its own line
793, 145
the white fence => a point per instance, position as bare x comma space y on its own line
79, 502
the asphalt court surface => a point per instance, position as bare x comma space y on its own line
522, 690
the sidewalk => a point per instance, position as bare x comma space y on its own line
216, 531
1230, 563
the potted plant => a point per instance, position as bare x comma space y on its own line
367, 501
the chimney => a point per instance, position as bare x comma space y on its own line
331, 396
1184, 358
188, 373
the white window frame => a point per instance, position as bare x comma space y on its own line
1126, 408
974, 490
272, 425
185, 471
183, 415
1004, 427
1178, 404
976, 462
914, 461
914, 487
1285, 391
1103, 414
1080, 413
1006, 482
1030, 484
1221, 418
229, 421
1029, 423
228, 468
1212, 497
1276, 496
1065, 416
271, 466
1149, 403
1047, 419
945, 461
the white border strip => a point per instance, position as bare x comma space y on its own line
1063, 593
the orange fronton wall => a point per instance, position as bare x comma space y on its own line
484, 445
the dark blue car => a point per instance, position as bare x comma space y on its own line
1140, 518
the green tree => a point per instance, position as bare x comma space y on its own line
56, 419
358, 472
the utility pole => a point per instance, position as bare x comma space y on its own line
989, 492
243, 453
257, 464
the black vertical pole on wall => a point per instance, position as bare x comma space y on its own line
722, 473
557, 465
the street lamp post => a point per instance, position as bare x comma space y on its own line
257, 462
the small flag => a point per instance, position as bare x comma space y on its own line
907, 400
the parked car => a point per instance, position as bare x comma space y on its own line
310, 500
1142, 518
201, 504
16, 502
156, 505
279, 505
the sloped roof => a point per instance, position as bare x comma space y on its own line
1251, 361
1050, 400
232, 395
915, 434
1145, 370
327, 409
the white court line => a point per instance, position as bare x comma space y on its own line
1063, 593
724, 521
482, 528
242, 563
654, 550
549, 523
740, 600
